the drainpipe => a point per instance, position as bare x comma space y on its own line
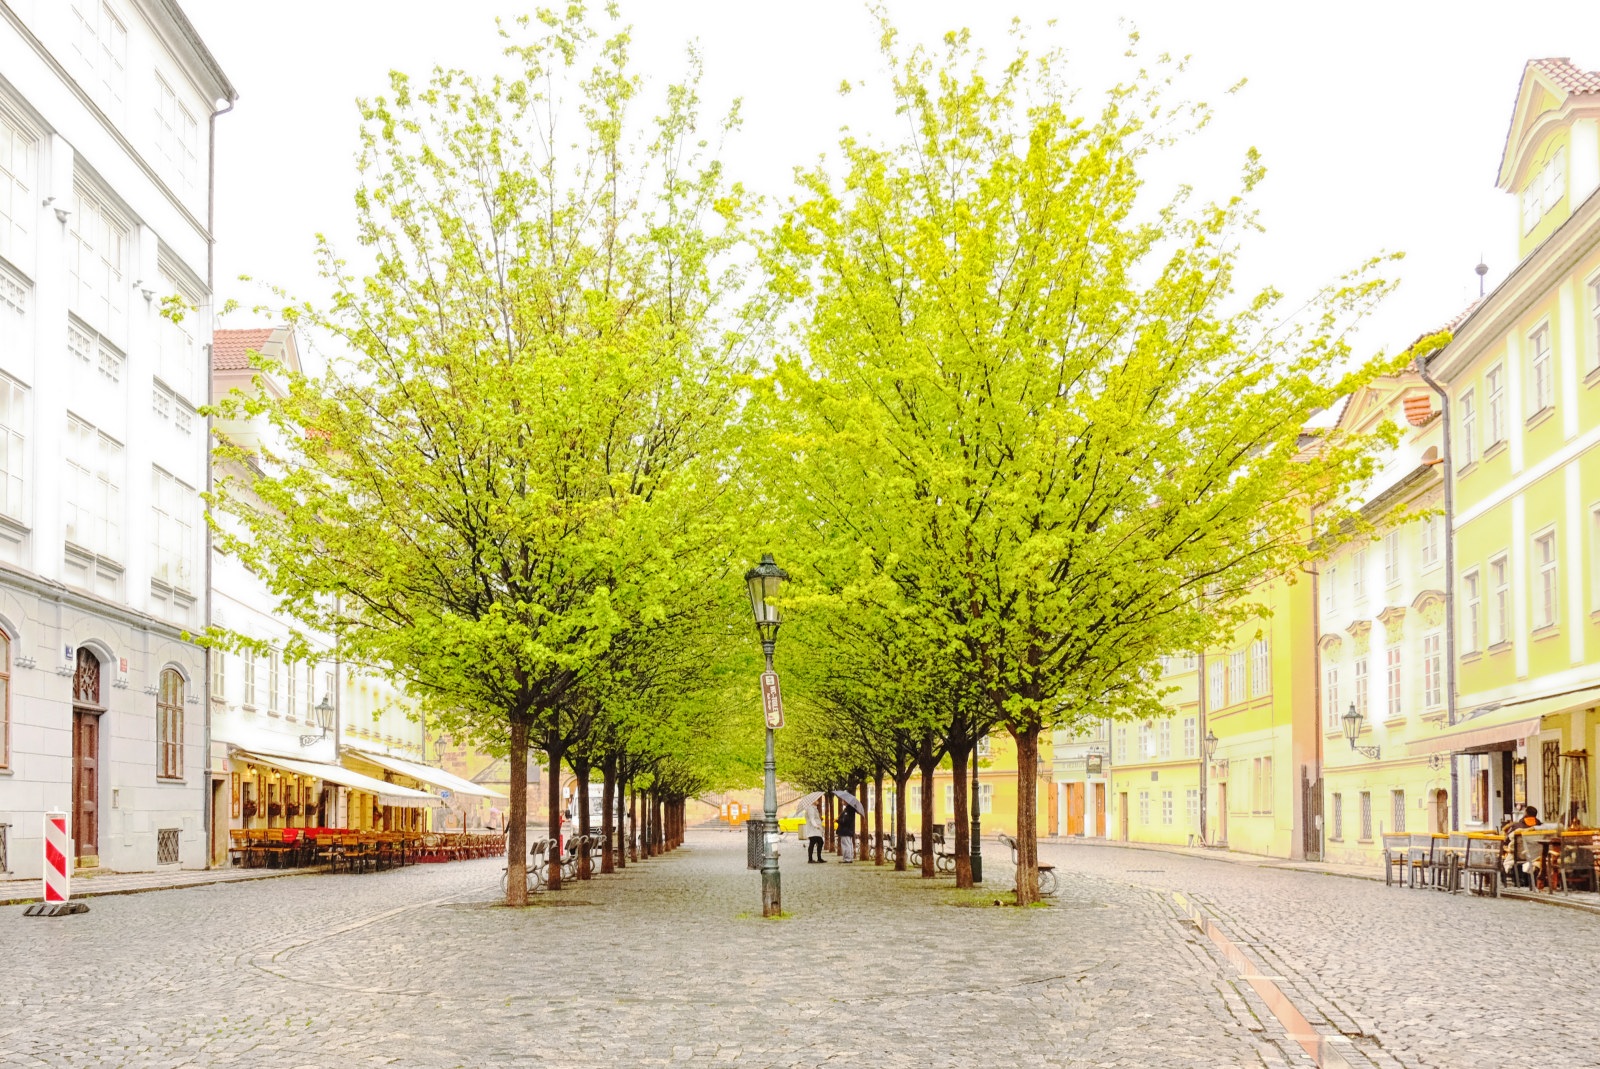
1200, 740
207, 816
1449, 578
1316, 698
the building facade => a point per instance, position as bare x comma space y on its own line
1081, 771
105, 123
1522, 375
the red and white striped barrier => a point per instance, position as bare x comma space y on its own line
57, 872
57, 845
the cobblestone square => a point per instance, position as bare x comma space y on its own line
669, 963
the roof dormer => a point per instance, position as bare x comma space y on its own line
1552, 155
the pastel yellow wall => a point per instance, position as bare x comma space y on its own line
999, 772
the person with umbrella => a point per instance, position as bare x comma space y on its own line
847, 832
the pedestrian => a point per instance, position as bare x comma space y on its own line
813, 834
847, 833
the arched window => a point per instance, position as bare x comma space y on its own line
5, 700
86, 680
169, 725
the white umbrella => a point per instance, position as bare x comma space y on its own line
844, 796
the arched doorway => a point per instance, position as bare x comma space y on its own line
86, 710
1441, 812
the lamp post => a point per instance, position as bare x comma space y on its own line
1352, 729
324, 711
763, 581
1210, 745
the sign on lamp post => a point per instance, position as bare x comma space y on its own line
772, 700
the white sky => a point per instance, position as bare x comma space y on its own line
1381, 124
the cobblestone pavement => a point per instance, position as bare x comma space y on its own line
1417, 978
668, 963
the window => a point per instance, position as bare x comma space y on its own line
19, 159
5, 700
1500, 601
1391, 666
92, 499
1360, 675
1544, 558
1391, 558
1122, 744
1358, 575
97, 251
1366, 816
101, 42
1260, 668
1544, 190
15, 296
1337, 831
1330, 696
1192, 806
1236, 676
177, 137
177, 356
1494, 384
1166, 807
169, 725
219, 676
1330, 591
1432, 670
311, 688
984, 748
1147, 740
914, 798
290, 678
1219, 686
1430, 541
1472, 604
985, 798
13, 435
1397, 809
249, 677
1144, 807
1469, 429
950, 801
1191, 737
1541, 385
274, 663
1594, 310
1261, 785
173, 511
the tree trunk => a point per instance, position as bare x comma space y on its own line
900, 822
580, 805
552, 796
1027, 815
959, 753
608, 769
877, 816
622, 818
517, 833
634, 831
926, 837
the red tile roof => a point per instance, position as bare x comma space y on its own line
1572, 79
230, 349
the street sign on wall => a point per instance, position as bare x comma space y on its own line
772, 700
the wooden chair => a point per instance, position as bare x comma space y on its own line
238, 846
1396, 857
1420, 861
1575, 859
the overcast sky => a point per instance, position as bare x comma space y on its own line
1381, 124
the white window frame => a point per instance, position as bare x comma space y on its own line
1164, 739
14, 411
1191, 737
1494, 384
1218, 683
1391, 558
1433, 670
1236, 687
174, 507
1330, 591
1430, 541
1260, 667
1594, 323
92, 516
1358, 575
1394, 682
1167, 808
101, 41
1144, 807
1359, 677
177, 136
98, 246
219, 675
274, 664
1500, 605
1469, 428
19, 186
1541, 371
249, 678
1547, 600
1330, 696
1472, 604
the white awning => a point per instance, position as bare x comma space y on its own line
428, 774
388, 793
1498, 725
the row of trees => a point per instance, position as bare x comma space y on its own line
1004, 421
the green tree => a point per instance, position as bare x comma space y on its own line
518, 455
1030, 407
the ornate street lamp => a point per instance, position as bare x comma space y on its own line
1352, 729
1211, 745
324, 711
763, 581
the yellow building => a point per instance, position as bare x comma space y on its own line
1381, 642
997, 787
1257, 697
1523, 380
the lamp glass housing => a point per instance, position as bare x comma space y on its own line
1352, 724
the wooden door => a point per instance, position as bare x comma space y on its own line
1122, 815
1222, 814
1100, 810
1074, 808
86, 782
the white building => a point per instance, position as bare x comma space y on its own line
106, 110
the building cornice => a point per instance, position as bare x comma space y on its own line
50, 590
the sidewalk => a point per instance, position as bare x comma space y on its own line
93, 885
1584, 901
